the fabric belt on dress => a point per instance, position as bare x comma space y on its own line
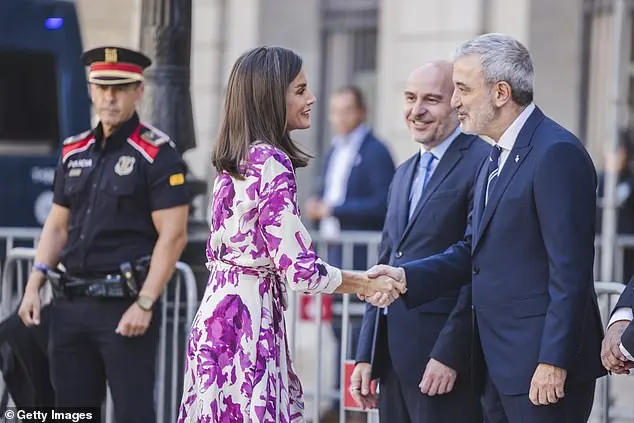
278, 285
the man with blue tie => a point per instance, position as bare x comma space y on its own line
422, 357
529, 247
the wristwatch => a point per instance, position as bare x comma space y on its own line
145, 303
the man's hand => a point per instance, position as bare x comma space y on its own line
134, 321
547, 385
360, 386
384, 272
438, 379
316, 209
29, 310
611, 356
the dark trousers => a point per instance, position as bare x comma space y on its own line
575, 407
85, 351
403, 402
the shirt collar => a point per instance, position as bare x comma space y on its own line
442, 148
356, 136
507, 140
120, 135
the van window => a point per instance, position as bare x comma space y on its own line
29, 121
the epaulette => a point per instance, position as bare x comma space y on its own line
77, 138
77, 144
148, 140
152, 135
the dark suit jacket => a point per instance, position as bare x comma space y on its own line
627, 296
530, 253
365, 204
439, 221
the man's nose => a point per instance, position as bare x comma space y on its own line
419, 108
110, 93
455, 100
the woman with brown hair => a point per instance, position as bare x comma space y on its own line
238, 366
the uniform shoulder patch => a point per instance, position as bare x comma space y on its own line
152, 135
77, 144
148, 141
77, 138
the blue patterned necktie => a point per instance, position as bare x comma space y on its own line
425, 170
494, 170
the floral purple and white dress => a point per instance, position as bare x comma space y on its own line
238, 367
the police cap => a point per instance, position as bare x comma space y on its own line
115, 65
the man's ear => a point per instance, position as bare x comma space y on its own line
503, 93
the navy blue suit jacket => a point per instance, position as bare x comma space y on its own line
626, 299
365, 204
413, 336
530, 254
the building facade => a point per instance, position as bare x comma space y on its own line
375, 44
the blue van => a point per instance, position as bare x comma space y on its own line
43, 100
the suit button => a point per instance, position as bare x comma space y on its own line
475, 270
399, 254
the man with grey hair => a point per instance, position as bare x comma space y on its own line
422, 357
529, 246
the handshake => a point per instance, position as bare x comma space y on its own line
384, 285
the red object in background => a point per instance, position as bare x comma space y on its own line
348, 402
308, 304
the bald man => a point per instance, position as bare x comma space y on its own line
422, 357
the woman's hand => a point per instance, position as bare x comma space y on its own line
385, 285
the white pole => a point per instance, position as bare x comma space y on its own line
609, 218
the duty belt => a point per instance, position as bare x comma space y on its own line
124, 284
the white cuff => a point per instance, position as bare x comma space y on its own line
621, 313
626, 353
334, 279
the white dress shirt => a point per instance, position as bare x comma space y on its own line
344, 157
508, 138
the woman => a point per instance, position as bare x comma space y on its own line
238, 366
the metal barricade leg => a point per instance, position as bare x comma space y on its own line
109, 407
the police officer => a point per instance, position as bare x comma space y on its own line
119, 197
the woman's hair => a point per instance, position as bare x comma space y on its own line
255, 108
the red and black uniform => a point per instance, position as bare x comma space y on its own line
111, 187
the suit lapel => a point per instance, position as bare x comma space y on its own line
403, 188
449, 160
514, 161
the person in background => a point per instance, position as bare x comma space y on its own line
621, 162
117, 227
352, 194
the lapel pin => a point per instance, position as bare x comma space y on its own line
517, 158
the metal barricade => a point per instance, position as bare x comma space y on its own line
611, 405
178, 305
17, 237
346, 242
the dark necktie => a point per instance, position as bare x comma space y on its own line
494, 170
